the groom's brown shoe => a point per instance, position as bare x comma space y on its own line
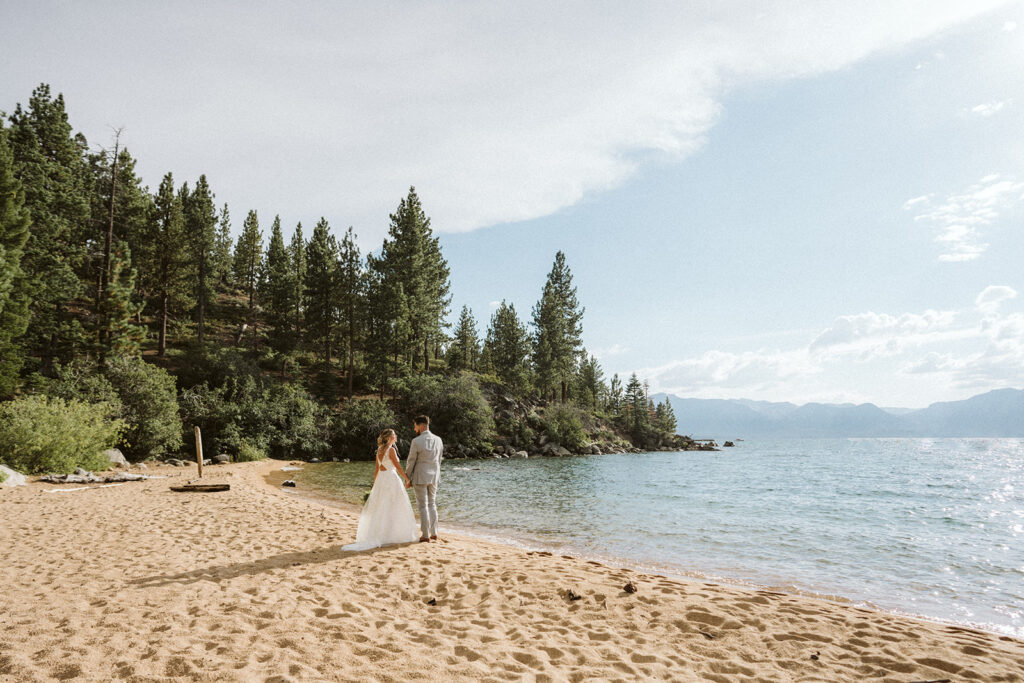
433, 538
424, 540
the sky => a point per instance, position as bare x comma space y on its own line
783, 201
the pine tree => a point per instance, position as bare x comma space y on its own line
351, 285
665, 418
558, 331
387, 333
507, 347
464, 350
201, 229
297, 259
248, 257
590, 386
14, 229
122, 337
166, 258
614, 400
637, 417
411, 256
222, 251
49, 163
321, 289
278, 291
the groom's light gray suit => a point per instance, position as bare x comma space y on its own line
424, 470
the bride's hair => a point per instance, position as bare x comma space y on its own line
382, 440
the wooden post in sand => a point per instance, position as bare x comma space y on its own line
199, 451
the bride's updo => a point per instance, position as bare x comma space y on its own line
382, 440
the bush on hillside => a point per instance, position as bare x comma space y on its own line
149, 404
357, 426
563, 424
41, 434
458, 411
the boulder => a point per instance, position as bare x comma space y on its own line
314, 459
562, 452
221, 459
290, 483
728, 444
542, 440
141, 466
521, 454
595, 449
116, 457
11, 477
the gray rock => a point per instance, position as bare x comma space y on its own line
314, 459
82, 473
521, 454
221, 459
13, 478
595, 449
562, 452
542, 440
141, 466
290, 482
345, 460
116, 457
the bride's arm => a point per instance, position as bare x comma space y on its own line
398, 464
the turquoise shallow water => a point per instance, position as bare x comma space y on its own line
930, 527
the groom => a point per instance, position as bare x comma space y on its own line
424, 471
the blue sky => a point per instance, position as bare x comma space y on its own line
820, 201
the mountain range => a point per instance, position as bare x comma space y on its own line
998, 413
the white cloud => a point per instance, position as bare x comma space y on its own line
972, 349
988, 109
958, 218
499, 112
613, 350
1010, 27
993, 295
879, 334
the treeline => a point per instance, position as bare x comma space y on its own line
274, 343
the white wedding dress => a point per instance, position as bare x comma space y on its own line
387, 515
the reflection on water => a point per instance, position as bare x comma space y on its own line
927, 526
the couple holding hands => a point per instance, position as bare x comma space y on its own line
387, 516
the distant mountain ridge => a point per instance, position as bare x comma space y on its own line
997, 413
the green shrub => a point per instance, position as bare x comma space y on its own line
280, 419
457, 408
40, 434
3, 476
149, 406
357, 425
247, 452
80, 381
564, 425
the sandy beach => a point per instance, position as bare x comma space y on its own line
133, 582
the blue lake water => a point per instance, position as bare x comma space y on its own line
930, 527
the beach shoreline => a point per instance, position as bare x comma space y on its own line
134, 582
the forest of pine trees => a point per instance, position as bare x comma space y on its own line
112, 293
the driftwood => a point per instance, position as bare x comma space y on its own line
201, 487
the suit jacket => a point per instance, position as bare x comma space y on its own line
424, 463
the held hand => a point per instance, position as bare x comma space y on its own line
408, 483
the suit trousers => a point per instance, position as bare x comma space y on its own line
427, 505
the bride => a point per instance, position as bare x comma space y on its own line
387, 514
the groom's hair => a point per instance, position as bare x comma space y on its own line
421, 420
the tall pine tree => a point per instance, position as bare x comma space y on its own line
387, 332
201, 230
297, 261
248, 258
278, 292
222, 261
351, 284
464, 349
121, 336
49, 162
507, 347
14, 228
167, 259
321, 294
557, 321
411, 256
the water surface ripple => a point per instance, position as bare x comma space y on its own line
931, 527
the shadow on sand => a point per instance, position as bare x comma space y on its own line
217, 574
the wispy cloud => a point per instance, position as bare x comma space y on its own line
959, 218
988, 109
556, 100
976, 347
